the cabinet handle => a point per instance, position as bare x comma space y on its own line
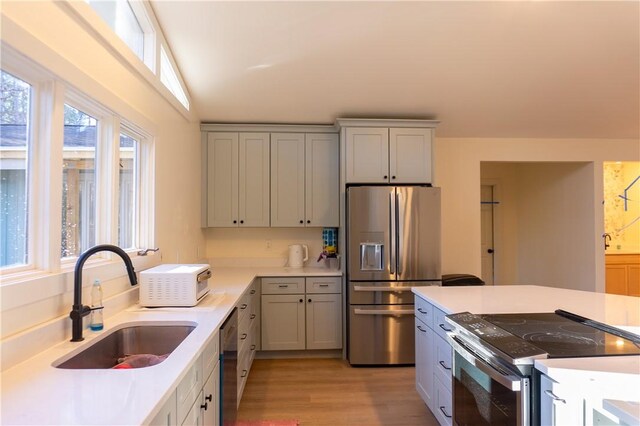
283, 285
443, 365
323, 285
422, 329
308, 221
393, 177
252, 316
421, 311
242, 221
253, 347
205, 405
252, 292
309, 300
244, 336
444, 412
302, 221
244, 373
243, 306
209, 397
302, 300
235, 221
554, 397
444, 328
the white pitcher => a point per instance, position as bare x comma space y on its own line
296, 259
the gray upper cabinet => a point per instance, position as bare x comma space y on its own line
304, 179
388, 151
257, 175
237, 179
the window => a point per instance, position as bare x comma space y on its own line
119, 15
14, 144
170, 79
78, 182
70, 180
127, 197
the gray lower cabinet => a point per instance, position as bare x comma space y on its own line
248, 333
299, 313
434, 360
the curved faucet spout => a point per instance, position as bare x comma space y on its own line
79, 310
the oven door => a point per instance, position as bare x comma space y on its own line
485, 394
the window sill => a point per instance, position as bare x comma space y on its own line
28, 287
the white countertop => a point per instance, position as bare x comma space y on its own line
34, 392
618, 311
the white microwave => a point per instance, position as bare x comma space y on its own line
174, 285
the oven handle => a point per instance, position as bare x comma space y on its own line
511, 382
359, 311
376, 288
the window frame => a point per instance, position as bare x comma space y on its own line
49, 94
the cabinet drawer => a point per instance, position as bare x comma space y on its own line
424, 311
210, 355
243, 331
440, 326
442, 407
443, 361
188, 390
323, 285
283, 285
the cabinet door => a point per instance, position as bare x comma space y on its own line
324, 321
167, 414
410, 155
222, 179
442, 403
194, 416
367, 154
424, 362
253, 183
287, 179
211, 397
283, 322
559, 405
322, 190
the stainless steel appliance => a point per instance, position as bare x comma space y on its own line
229, 369
393, 243
494, 381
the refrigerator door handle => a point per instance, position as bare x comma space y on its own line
400, 217
392, 232
359, 311
377, 288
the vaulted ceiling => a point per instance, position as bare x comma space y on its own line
538, 69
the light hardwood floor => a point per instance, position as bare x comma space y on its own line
330, 392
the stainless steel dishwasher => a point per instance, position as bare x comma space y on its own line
228, 369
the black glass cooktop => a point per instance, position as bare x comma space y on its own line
562, 337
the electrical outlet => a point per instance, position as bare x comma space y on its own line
268, 244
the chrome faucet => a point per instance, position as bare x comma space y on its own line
78, 311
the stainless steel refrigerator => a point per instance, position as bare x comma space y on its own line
393, 244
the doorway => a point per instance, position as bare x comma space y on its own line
487, 203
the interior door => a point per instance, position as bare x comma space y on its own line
486, 244
369, 238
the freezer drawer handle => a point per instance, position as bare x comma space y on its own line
422, 329
374, 288
358, 311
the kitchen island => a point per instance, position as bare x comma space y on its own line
35, 392
591, 379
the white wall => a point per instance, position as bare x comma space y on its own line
46, 34
457, 172
234, 243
